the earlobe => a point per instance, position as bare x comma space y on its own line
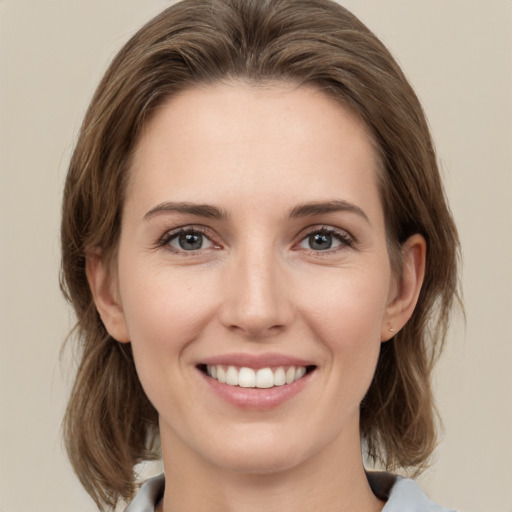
406, 293
104, 292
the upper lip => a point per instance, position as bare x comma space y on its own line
256, 361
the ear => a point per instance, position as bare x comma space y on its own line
102, 283
405, 293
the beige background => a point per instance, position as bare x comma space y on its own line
458, 55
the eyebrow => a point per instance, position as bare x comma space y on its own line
312, 209
201, 210
214, 212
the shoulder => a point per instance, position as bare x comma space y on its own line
148, 496
401, 494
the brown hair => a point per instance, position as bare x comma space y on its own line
109, 423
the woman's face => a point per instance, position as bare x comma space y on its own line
253, 249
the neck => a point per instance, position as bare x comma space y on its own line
324, 482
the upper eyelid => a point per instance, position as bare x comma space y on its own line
343, 233
189, 227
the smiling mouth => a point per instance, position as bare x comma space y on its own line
262, 378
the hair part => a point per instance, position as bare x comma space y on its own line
110, 425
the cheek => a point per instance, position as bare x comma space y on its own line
164, 312
346, 320
164, 316
347, 308
169, 303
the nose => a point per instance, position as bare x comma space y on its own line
255, 300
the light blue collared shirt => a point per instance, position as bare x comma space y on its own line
400, 494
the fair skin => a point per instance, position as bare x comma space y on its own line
253, 237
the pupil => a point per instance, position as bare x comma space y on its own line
320, 241
190, 241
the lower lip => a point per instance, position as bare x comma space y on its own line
256, 398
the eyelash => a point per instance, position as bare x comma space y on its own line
344, 238
192, 230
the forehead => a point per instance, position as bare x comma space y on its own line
208, 143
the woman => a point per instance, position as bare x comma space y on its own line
262, 261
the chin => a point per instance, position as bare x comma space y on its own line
260, 452
260, 461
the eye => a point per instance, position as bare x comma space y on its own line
188, 240
325, 239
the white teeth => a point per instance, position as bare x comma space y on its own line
264, 378
279, 377
232, 376
300, 372
248, 378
